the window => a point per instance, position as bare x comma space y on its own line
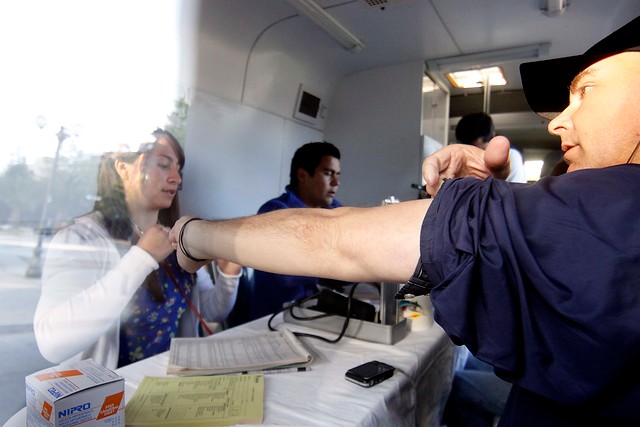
78, 78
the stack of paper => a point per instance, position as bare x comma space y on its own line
221, 355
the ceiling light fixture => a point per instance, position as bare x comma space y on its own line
477, 78
439, 67
317, 14
488, 58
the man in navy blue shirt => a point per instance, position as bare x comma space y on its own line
314, 178
541, 280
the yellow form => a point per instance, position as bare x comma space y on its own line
217, 400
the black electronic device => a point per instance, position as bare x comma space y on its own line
332, 302
309, 106
370, 373
417, 285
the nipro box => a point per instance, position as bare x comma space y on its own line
84, 392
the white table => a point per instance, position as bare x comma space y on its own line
415, 395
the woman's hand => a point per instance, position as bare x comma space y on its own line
155, 240
228, 267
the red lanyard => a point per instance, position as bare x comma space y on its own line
184, 295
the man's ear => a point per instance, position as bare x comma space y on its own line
302, 175
122, 169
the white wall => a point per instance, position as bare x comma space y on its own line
238, 157
375, 121
257, 53
241, 133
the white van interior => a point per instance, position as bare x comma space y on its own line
243, 84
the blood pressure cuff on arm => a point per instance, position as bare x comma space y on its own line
418, 284
541, 280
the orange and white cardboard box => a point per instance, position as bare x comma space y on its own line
83, 392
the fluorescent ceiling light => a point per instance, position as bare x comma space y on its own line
317, 14
488, 58
477, 78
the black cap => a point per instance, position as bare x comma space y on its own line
546, 83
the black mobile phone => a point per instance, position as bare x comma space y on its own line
370, 373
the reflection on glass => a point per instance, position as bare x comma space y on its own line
106, 72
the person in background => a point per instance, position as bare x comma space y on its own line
314, 178
477, 129
539, 280
112, 289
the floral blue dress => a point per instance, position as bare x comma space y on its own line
147, 325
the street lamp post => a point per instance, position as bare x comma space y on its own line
35, 265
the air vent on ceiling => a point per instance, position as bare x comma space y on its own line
380, 3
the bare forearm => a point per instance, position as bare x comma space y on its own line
355, 244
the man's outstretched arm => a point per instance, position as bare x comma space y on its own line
352, 244
460, 160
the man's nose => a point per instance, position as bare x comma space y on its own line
560, 123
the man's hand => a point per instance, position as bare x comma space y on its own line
460, 160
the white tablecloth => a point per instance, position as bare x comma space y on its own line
415, 395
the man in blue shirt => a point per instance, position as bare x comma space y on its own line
314, 178
541, 281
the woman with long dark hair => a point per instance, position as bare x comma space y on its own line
112, 289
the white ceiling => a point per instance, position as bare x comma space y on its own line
429, 29
407, 30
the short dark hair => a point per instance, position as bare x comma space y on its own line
474, 126
308, 157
